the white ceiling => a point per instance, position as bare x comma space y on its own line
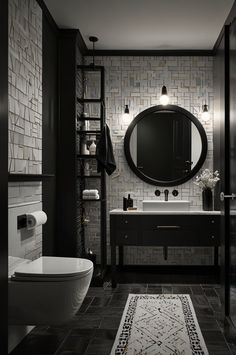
144, 24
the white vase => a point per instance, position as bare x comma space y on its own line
92, 148
84, 149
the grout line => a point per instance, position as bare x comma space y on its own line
63, 342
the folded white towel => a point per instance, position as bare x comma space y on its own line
95, 197
90, 192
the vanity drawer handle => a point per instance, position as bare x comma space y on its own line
126, 236
212, 237
126, 222
168, 227
212, 221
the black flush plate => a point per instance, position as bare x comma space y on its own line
21, 221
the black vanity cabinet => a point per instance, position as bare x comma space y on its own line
201, 229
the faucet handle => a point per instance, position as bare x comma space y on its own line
175, 193
157, 192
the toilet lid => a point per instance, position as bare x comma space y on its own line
56, 267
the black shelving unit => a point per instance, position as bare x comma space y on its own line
101, 270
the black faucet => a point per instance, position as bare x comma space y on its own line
166, 192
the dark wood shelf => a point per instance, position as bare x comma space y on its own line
89, 132
89, 100
86, 156
90, 199
79, 118
89, 176
29, 177
90, 67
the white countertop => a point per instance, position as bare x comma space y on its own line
190, 212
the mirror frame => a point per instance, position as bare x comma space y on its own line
173, 108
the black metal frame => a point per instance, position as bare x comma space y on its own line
102, 177
4, 174
173, 108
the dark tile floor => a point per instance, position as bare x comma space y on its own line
92, 331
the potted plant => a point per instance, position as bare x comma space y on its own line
207, 180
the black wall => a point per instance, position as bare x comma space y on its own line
50, 118
3, 174
221, 151
66, 148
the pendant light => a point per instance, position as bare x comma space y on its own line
164, 99
93, 39
126, 115
205, 113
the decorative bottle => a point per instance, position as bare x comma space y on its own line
92, 148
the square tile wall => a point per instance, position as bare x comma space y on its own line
137, 81
25, 87
25, 117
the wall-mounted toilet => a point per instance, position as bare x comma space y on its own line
48, 290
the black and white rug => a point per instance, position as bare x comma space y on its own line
159, 325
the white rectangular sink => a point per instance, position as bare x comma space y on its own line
172, 205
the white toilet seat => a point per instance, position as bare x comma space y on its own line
49, 268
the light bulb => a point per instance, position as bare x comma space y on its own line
126, 115
205, 113
164, 99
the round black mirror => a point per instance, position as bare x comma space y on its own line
165, 145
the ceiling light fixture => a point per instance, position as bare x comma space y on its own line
93, 39
164, 99
205, 113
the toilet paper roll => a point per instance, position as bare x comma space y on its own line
35, 219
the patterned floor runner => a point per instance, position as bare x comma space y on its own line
159, 325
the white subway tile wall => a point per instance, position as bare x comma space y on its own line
137, 81
25, 117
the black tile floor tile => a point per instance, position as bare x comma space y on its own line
208, 323
105, 311
105, 334
216, 343
74, 343
118, 300
199, 300
210, 292
196, 290
87, 301
38, 345
181, 289
101, 301
167, 289
98, 346
111, 322
93, 329
154, 290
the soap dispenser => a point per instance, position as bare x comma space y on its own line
130, 201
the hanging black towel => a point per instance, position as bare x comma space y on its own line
104, 151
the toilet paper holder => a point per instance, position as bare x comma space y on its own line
22, 221
31, 220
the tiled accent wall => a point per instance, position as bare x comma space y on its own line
25, 87
137, 81
25, 113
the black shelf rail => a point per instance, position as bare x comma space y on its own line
81, 101
91, 67
83, 118
89, 176
97, 132
28, 177
86, 156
